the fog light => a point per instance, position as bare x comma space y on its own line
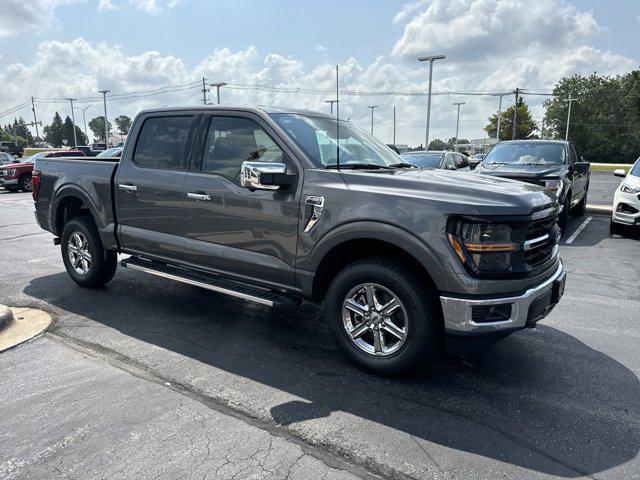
491, 313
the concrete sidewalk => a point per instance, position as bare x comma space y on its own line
69, 415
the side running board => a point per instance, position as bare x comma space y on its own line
211, 282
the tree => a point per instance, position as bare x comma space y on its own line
437, 144
97, 127
525, 126
53, 133
605, 118
124, 124
67, 133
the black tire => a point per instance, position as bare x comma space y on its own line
616, 228
424, 332
25, 184
579, 209
102, 265
11, 189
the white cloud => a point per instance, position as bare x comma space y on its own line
20, 15
408, 9
476, 60
106, 5
320, 48
154, 6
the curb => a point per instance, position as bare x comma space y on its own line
6, 316
599, 209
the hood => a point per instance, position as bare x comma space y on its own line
521, 170
462, 191
631, 180
16, 165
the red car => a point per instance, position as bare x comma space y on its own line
17, 176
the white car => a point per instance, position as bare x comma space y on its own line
626, 202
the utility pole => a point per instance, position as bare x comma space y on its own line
73, 121
106, 122
35, 120
430, 59
394, 125
372, 107
570, 100
515, 114
331, 102
84, 118
458, 104
500, 114
204, 91
218, 85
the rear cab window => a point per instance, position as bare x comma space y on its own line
164, 142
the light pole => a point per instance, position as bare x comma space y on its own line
372, 107
331, 102
500, 114
430, 59
394, 125
84, 118
458, 118
570, 100
106, 122
73, 121
218, 85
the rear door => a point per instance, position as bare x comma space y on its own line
149, 185
232, 230
579, 175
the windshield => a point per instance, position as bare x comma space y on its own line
316, 136
112, 152
424, 160
635, 171
35, 156
527, 153
6, 159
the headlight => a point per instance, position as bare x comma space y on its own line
10, 172
483, 247
629, 189
555, 186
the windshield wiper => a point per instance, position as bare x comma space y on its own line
360, 166
402, 165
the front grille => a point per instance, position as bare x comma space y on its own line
2, 173
541, 239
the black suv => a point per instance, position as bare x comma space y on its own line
554, 164
13, 148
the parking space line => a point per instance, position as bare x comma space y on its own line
578, 230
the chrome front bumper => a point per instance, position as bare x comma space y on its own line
457, 312
12, 182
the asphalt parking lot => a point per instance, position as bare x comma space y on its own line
147, 377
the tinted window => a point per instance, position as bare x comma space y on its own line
527, 153
572, 155
233, 140
460, 161
424, 160
163, 143
448, 162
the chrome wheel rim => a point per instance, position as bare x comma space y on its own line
28, 184
375, 319
79, 253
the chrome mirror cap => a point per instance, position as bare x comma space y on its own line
250, 173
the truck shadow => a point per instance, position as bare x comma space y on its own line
540, 399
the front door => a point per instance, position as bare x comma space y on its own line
149, 186
247, 234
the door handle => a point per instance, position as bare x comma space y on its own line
127, 188
198, 196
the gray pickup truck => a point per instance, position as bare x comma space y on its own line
278, 206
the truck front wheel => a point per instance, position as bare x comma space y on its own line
383, 316
84, 257
25, 183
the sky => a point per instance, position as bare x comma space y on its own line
56, 49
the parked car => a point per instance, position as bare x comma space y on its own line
6, 158
87, 150
13, 148
98, 146
626, 201
273, 206
17, 176
114, 152
437, 160
476, 159
554, 164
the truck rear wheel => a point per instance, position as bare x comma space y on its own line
84, 257
383, 317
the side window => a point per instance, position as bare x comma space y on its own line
233, 140
572, 155
162, 143
461, 162
448, 161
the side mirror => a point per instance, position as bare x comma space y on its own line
265, 176
620, 172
